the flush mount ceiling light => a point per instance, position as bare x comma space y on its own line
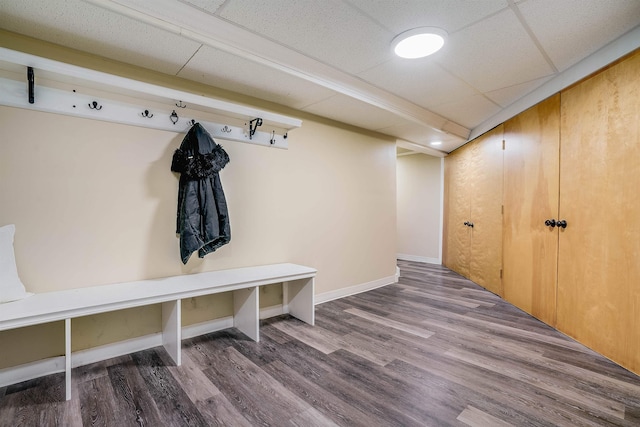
419, 42
436, 143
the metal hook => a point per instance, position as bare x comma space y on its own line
180, 105
253, 126
273, 137
191, 122
285, 135
226, 129
174, 117
146, 114
30, 79
95, 106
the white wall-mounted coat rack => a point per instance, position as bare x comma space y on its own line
86, 93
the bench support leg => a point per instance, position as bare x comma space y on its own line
246, 312
298, 299
172, 329
67, 358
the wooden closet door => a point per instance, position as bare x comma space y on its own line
599, 251
531, 185
457, 178
486, 210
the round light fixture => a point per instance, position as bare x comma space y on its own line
419, 42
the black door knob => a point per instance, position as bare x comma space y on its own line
550, 223
562, 223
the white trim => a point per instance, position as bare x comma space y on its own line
416, 258
272, 311
207, 327
29, 371
352, 290
623, 45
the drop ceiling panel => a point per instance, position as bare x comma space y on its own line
220, 69
349, 110
421, 135
450, 15
494, 53
420, 81
570, 30
469, 112
92, 29
328, 30
210, 6
507, 96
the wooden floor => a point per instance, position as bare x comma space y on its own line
432, 350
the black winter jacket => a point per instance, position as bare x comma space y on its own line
203, 218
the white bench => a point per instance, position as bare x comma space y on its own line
298, 300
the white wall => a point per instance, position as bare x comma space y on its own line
419, 194
95, 203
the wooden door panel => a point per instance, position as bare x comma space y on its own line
531, 185
599, 251
457, 191
486, 210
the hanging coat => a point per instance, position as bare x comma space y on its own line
203, 219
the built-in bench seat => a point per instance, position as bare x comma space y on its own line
298, 300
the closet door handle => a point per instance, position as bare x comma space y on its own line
470, 224
466, 223
551, 223
562, 223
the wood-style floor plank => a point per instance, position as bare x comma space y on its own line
433, 350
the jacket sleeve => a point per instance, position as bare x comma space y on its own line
198, 166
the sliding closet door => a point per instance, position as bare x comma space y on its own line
531, 180
486, 210
457, 237
599, 252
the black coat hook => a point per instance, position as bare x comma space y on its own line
174, 117
146, 114
273, 137
181, 105
30, 78
253, 125
95, 106
191, 122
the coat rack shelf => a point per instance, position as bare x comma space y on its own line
132, 102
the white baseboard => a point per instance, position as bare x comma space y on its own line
352, 290
416, 258
29, 371
273, 311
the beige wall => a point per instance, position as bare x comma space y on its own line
94, 203
419, 178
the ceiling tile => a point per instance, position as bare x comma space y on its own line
329, 30
89, 28
507, 96
468, 112
220, 69
422, 135
349, 110
450, 15
210, 6
420, 81
570, 30
493, 54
